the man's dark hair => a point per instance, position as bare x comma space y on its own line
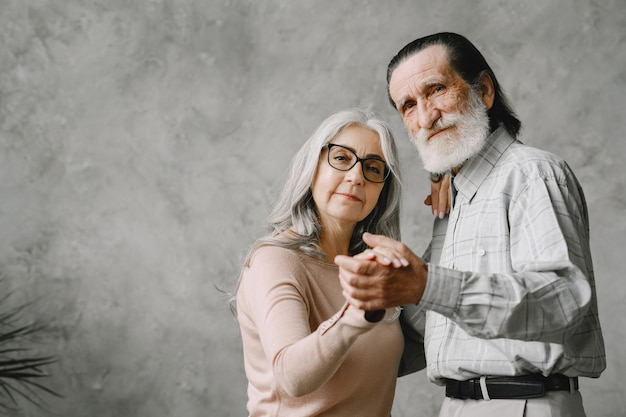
471, 65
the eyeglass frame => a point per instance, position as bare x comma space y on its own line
329, 146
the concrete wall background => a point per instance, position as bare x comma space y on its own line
141, 144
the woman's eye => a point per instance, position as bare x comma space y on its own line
375, 166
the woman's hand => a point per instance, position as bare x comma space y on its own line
439, 198
383, 255
387, 252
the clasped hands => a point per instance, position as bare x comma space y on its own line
387, 275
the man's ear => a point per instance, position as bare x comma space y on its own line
487, 90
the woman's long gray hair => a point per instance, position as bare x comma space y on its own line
294, 222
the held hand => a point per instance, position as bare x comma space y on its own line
388, 251
370, 285
384, 256
439, 198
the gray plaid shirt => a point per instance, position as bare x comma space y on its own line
513, 291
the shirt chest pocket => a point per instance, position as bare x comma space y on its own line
481, 240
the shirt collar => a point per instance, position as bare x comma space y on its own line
476, 169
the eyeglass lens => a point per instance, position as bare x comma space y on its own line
344, 159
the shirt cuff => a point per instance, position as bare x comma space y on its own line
443, 290
350, 316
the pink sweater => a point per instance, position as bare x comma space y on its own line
306, 351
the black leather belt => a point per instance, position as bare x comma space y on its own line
514, 387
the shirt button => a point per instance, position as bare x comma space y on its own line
481, 252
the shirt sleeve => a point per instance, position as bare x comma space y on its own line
549, 289
303, 359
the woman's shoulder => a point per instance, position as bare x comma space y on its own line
271, 265
275, 253
272, 257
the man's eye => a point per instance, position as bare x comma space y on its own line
407, 106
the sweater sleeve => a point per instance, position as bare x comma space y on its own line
303, 359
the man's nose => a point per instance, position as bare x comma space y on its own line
427, 114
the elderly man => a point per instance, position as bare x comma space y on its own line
503, 303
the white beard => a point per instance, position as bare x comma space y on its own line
451, 149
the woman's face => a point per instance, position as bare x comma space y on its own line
343, 198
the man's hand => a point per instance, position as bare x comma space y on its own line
439, 198
388, 275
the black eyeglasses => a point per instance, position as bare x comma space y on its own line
343, 159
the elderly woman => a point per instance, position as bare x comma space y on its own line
307, 352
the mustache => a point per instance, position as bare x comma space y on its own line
440, 124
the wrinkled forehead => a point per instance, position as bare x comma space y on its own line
420, 70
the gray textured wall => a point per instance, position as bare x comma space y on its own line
142, 143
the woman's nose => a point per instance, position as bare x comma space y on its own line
355, 174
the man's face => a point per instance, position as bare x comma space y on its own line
446, 119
